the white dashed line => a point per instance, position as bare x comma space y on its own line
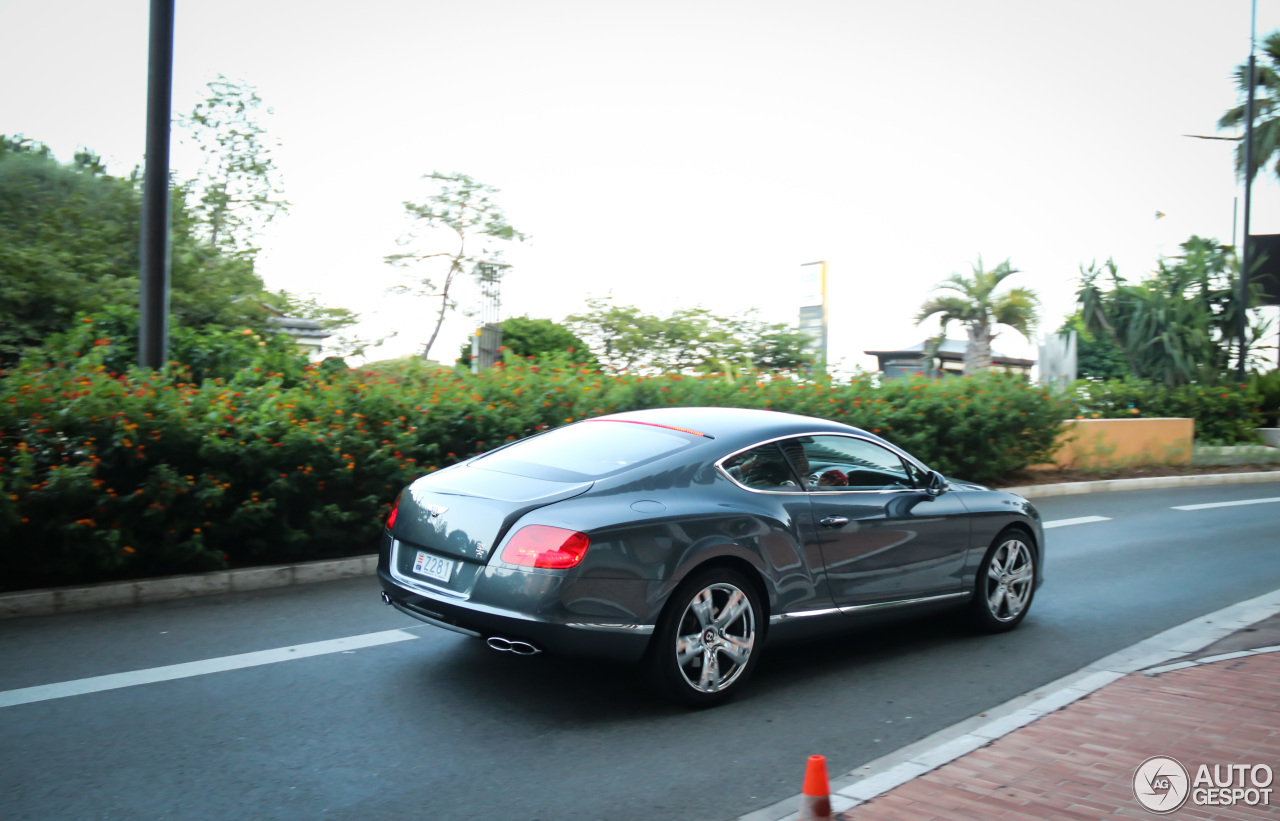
97, 684
1082, 520
1227, 504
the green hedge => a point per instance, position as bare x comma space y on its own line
107, 474
1224, 414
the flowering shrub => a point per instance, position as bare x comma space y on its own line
108, 473
208, 352
1225, 414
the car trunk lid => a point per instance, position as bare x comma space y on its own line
462, 513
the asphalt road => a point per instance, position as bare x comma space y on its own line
435, 726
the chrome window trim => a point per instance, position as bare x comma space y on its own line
805, 491
725, 471
418, 584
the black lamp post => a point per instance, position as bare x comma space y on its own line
153, 313
1245, 255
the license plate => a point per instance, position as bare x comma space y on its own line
433, 567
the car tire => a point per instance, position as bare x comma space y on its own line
1006, 582
708, 640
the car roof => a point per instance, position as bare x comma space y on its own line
735, 426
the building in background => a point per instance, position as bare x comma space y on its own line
308, 334
949, 359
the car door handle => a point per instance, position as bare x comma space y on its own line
834, 521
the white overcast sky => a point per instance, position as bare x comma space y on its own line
672, 154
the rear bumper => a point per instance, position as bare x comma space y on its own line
556, 613
618, 642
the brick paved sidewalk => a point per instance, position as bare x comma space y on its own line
1079, 762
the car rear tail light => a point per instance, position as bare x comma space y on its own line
553, 548
391, 517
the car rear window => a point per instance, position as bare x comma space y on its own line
586, 451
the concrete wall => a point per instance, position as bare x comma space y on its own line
1092, 443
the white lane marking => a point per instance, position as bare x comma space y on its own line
1082, 520
63, 689
1226, 504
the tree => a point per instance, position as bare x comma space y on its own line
237, 190
765, 346
1176, 326
538, 338
1266, 108
461, 216
622, 337
975, 305
1096, 357
69, 243
625, 338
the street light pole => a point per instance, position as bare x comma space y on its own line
153, 274
1245, 256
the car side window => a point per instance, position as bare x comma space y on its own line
763, 468
836, 463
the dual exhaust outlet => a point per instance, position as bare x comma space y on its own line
520, 648
502, 645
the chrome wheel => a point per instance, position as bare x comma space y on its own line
715, 637
1010, 580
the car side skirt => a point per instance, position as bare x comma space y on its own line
853, 609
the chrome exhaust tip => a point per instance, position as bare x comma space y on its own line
520, 648
385, 598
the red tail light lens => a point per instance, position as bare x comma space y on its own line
391, 517
553, 548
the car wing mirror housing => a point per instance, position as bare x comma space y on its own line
934, 483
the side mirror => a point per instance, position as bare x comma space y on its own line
934, 483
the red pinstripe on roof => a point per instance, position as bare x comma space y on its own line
656, 425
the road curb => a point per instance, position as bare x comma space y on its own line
914, 760
168, 588
1144, 483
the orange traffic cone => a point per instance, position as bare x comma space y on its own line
815, 799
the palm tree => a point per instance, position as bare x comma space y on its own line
1266, 108
976, 306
